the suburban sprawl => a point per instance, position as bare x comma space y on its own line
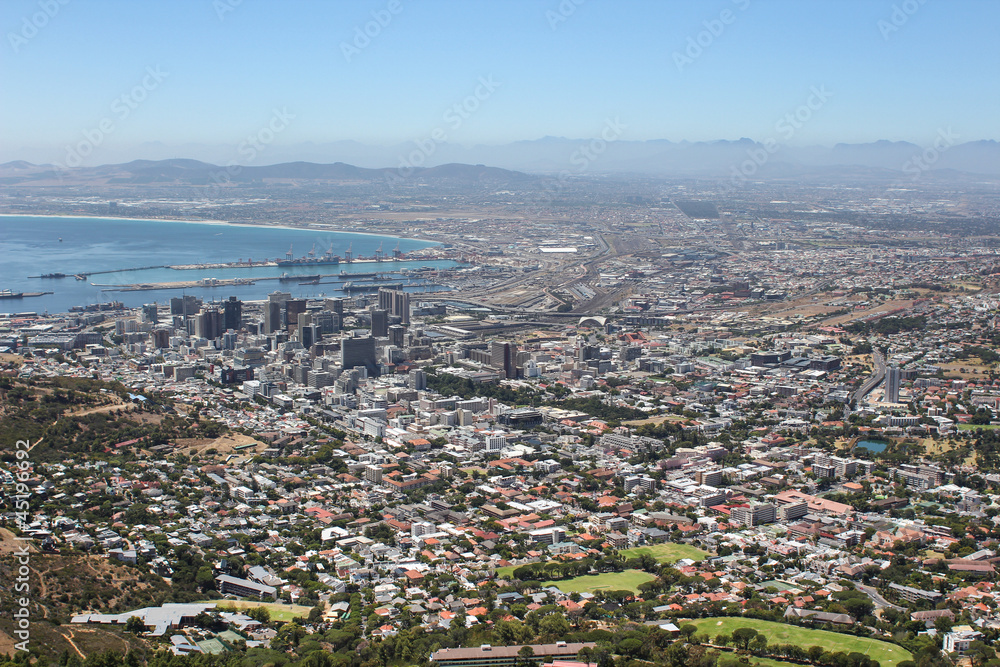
695, 428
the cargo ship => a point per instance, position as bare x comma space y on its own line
309, 259
285, 278
7, 294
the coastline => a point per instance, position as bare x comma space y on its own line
220, 223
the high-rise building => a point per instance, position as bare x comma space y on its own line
184, 305
308, 335
502, 358
233, 312
327, 321
293, 307
272, 317
208, 324
160, 338
396, 302
397, 335
401, 306
892, 382
358, 352
385, 298
380, 323
335, 305
418, 380
149, 313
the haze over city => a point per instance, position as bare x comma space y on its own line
549, 333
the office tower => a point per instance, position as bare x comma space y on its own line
233, 311
327, 321
502, 358
396, 302
149, 313
335, 305
308, 334
293, 307
208, 324
272, 317
397, 335
184, 305
161, 338
358, 352
385, 298
418, 380
892, 381
401, 306
380, 323
279, 297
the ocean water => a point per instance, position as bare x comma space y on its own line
31, 246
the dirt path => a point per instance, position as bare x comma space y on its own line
72, 643
100, 408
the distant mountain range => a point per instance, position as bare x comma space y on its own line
179, 171
346, 161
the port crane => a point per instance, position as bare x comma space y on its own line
379, 254
289, 254
396, 252
347, 255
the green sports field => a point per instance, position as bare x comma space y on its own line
278, 611
667, 552
888, 655
611, 581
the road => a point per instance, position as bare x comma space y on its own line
876, 598
873, 381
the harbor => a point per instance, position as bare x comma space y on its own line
140, 263
9, 294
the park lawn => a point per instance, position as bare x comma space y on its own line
770, 662
667, 552
507, 571
973, 427
278, 611
888, 655
609, 581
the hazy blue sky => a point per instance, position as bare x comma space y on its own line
895, 69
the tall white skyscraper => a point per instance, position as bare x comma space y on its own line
892, 379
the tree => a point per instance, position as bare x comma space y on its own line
554, 626
526, 655
743, 636
204, 578
135, 625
